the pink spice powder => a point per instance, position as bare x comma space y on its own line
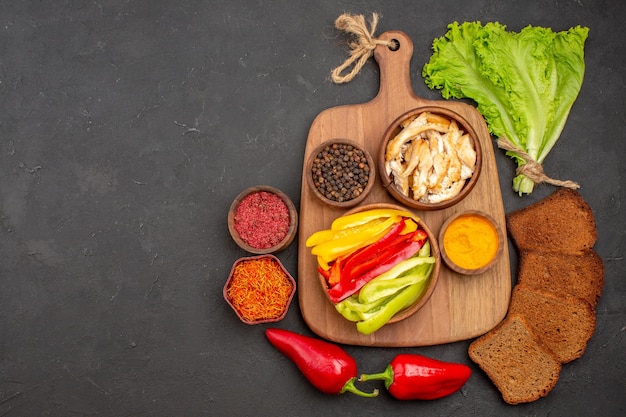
262, 219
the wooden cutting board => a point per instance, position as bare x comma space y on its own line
461, 307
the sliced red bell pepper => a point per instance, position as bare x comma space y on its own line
324, 272
372, 250
335, 272
369, 261
346, 288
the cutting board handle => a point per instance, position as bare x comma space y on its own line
395, 69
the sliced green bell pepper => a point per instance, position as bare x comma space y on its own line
425, 250
400, 301
352, 309
377, 289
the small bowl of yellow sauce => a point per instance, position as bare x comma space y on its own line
470, 242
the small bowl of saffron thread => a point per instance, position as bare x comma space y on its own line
262, 219
259, 289
470, 242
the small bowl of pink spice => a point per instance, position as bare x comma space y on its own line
262, 219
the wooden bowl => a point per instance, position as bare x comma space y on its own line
495, 250
333, 203
247, 245
434, 276
284, 306
388, 180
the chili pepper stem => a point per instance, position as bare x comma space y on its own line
386, 375
350, 387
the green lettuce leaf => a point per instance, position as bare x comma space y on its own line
524, 84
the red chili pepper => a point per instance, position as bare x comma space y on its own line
416, 377
347, 287
327, 366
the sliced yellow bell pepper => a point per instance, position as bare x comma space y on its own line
410, 226
322, 263
331, 250
329, 234
362, 217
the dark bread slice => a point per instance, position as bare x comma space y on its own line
518, 364
562, 222
562, 322
576, 275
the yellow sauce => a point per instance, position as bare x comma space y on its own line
471, 241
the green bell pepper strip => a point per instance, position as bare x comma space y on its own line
354, 310
389, 288
377, 289
361, 217
348, 313
403, 268
400, 301
425, 250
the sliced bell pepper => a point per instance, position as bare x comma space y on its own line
368, 253
326, 235
324, 272
376, 253
410, 225
377, 289
331, 250
354, 310
334, 275
348, 313
346, 288
362, 217
405, 267
322, 263
425, 250
397, 303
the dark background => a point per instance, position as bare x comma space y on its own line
127, 128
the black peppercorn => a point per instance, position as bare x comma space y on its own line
340, 172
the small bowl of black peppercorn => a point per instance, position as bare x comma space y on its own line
340, 172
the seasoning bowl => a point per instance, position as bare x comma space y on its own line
244, 296
340, 161
262, 219
434, 252
470, 242
448, 189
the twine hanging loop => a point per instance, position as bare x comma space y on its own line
532, 169
361, 47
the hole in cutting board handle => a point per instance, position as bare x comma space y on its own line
396, 45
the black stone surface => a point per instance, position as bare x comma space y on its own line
127, 128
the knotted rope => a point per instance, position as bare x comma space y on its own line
362, 47
532, 169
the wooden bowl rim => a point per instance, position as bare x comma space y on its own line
392, 131
434, 252
230, 277
345, 204
464, 271
293, 220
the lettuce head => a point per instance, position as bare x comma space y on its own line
524, 83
